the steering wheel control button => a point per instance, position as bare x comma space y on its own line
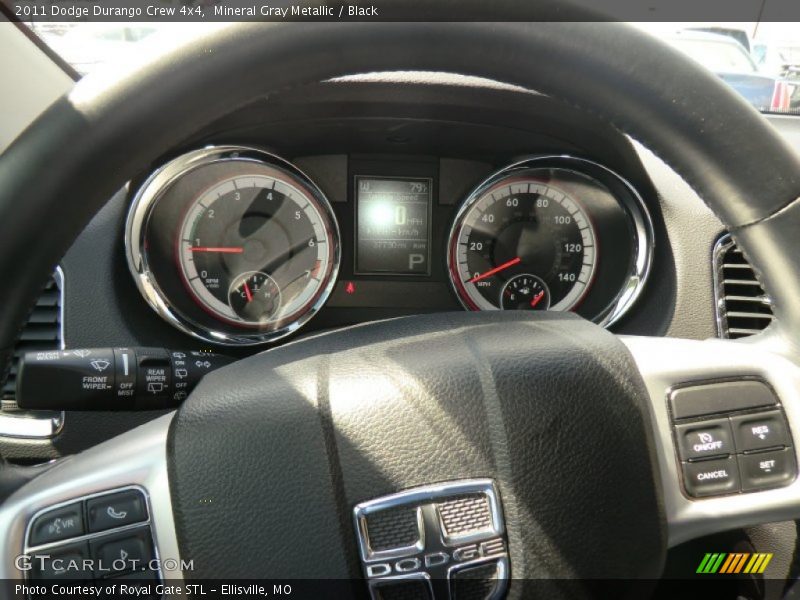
760, 431
116, 510
111, 378
720, 397
65, 562
58, 524
122, 553
428, 534
711, 477
115, 538
769, 469
705, 440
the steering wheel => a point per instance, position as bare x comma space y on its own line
299, 462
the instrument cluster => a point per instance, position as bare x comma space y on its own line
237, 246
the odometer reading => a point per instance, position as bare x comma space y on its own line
522, 244
253, 250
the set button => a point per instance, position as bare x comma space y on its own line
767, 469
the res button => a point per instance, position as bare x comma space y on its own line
704, 440
711, 477
760, 431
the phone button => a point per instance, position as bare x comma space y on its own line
116, 510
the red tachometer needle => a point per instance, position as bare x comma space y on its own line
497, 269
537, 298
247, 292
224, 249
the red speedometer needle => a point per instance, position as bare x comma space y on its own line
247, 292
222, 249
497, 269
537, 298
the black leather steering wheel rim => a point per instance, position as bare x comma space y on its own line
88, 143
112, 129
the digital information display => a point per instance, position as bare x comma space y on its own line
393, 229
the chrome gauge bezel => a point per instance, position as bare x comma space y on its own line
632, 204
141, 210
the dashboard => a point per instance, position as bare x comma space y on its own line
238, 246
437, 151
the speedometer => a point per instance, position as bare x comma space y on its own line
233, 245
519, 234
528, 238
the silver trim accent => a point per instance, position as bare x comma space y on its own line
440, 545
136, 459
636, 209
667, 362
721, 247
141, 209
38, 424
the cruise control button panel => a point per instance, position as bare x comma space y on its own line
96, 537
731, 437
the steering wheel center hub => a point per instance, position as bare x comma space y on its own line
546, 407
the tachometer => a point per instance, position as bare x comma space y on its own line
528, 238
233, 245
252, 249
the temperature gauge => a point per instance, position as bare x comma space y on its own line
255, 296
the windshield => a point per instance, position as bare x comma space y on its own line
760, 61
716, 53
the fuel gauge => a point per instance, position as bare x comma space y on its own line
525, 292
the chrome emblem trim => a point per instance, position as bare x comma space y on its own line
437, 537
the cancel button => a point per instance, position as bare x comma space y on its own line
711, 477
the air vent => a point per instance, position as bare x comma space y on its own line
743, 307
42, 332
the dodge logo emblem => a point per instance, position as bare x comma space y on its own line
440, 542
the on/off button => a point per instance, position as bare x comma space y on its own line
711, 477
706, 439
